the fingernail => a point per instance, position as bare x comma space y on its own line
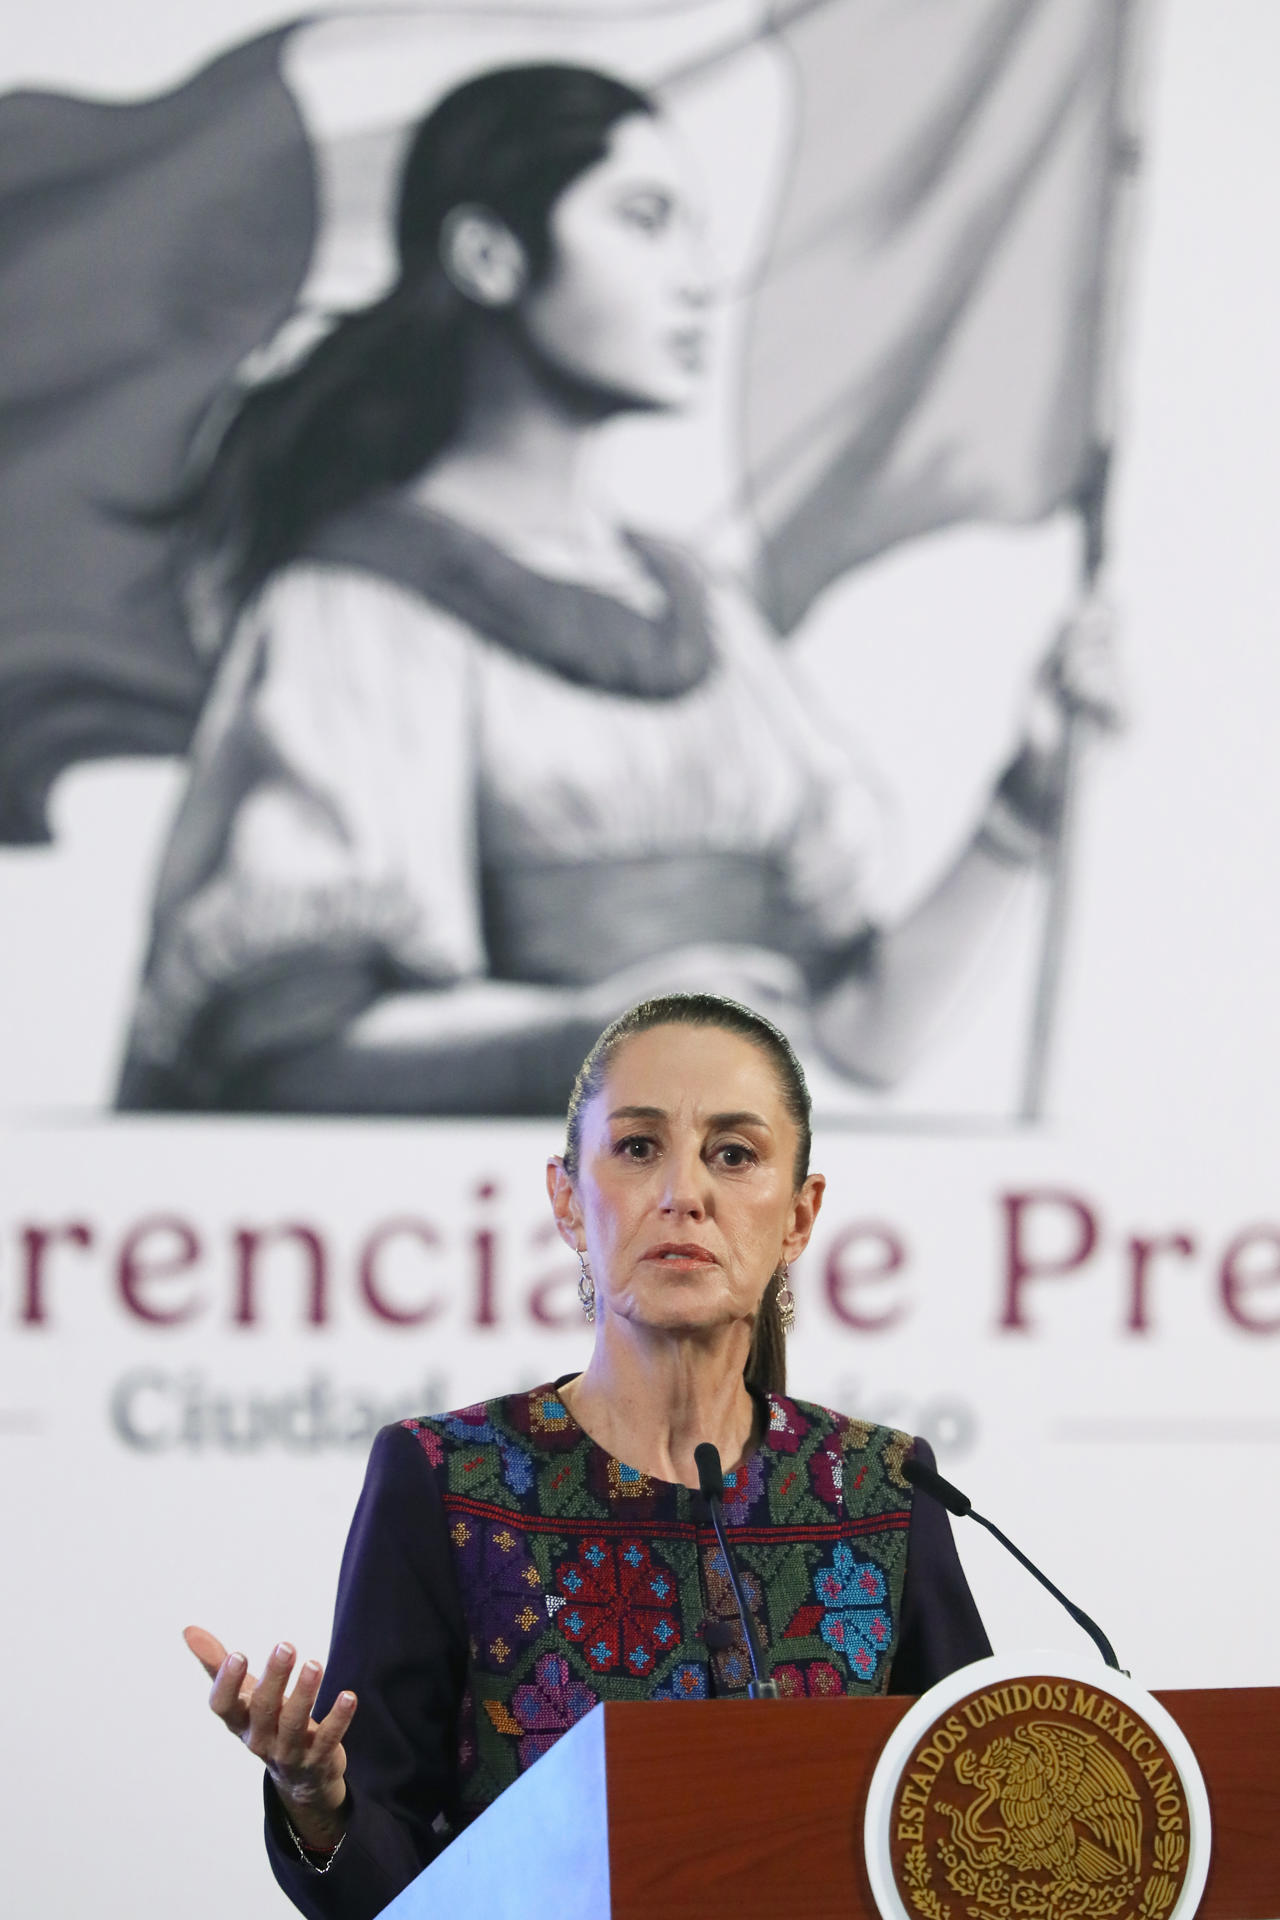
346, 1699
236, 1661
284, 1651
311, 1666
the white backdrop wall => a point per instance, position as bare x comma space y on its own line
202, 1321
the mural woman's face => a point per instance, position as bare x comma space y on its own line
621, 311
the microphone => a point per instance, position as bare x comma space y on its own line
706, 1458
960, 1504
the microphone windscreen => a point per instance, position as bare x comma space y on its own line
933, 1484
706, 1458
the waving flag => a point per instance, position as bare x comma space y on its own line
143, 250
918, 330
926, 335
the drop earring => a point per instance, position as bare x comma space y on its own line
785, 1298
586, 1289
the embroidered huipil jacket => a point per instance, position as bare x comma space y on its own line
504, 1574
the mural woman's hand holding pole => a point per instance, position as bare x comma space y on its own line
873, 1022
305, 1758
1081, 671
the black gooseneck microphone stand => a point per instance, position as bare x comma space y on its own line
960, 1504
711, 1485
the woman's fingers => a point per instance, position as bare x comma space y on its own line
276, 1724
1083, 667
267, 1697
332, 1730
232, 1682
309, 1763
326, 1761
231, 1691
295, 1722
299, 1736
207, 1648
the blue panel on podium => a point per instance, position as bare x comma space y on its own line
550, 1829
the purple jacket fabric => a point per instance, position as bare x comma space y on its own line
400, 1642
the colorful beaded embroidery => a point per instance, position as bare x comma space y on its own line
583, 1579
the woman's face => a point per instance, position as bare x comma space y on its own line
621, 311
684, 1197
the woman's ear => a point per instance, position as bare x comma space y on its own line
564, 1203
482, 257
804, 1216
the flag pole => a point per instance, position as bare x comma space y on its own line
1091, 500
1053, 935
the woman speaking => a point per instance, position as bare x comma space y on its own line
513, 1563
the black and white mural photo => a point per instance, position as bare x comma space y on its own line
469, 487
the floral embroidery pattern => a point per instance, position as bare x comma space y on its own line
548, 1414
518, 1469
581, 1577
814, 1679
730, 1660
826, 1470
468, 1424
688, 1681
505, 1608
620, 1606
854, 1622
742, 1489
548, 1707
628, 1483
803, 1622
733, 1668
432, 1445
787, 1426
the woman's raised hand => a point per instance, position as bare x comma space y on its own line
304, 1757
1077, 680
1081, 673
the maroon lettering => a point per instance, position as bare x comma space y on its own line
553, 1298
372, 1281
1064, 1214
484, 1242
1250, 1272
1143, 1250
859, 1274
153, 1253
36, 1244
248, 1242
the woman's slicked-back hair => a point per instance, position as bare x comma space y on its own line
766, 1368
379, 397
510, 140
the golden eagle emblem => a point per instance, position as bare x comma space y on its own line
1054, 1803
1066, 1806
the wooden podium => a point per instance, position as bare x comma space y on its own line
753, 1809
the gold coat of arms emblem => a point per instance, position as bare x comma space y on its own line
1040, 1796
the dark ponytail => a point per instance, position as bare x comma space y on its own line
766, 1368
379, 397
